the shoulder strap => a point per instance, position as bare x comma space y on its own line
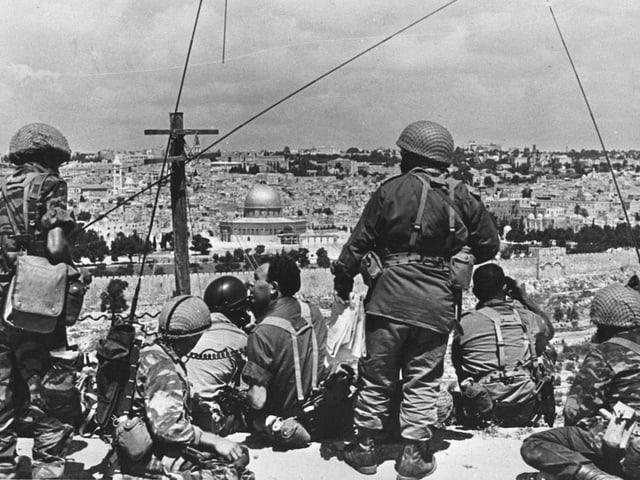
528, 339
286, 325
496, 319
32, 199
10, 213
416, 229
633, 346
305, 312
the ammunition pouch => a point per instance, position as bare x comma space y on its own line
132, 439
370, 268
461, 269
36, 295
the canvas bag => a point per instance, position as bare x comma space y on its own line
36, 295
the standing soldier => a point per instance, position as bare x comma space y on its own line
409, 231
35, 190
591, 446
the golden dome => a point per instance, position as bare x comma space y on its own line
262, 197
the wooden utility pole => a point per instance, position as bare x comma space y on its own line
178, 157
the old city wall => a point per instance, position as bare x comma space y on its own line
318, 282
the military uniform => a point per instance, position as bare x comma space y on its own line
475, 358
215, 363
610, 373
270, 357
24, 356
162, 398
410, 309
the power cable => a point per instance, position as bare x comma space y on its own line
145, 250
163, 178
595, 125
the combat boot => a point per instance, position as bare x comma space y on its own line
415, 462
591, 472
361, 454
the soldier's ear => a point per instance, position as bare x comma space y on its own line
275, 289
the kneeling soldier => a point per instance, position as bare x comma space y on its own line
158, 440
591, 446
496, 355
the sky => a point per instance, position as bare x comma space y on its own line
102, 71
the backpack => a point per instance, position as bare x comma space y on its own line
118, 356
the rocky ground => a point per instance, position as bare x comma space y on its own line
460, 454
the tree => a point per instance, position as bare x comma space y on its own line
201, 244
323, 260
113, 300
84, 216
90, 245
128, 245
488, 182
558, 314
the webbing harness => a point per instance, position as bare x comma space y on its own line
286, 325
416, 229
32, 189
496, 319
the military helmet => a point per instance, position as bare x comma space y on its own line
427, 139
183, 316
226, 294
36, 138
616, 306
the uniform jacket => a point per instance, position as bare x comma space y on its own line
162, 396
474, 349
225, 344
53, 205
609, 373
417, 294
270, 356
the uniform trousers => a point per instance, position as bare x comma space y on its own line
22, 355
398, 352
562, 451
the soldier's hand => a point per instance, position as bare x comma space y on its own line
229, 449
226, 448
512, 289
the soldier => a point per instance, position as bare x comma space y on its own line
495, 352
609, 374
281, 374
36, 150
159, 440
409, 231
215, 364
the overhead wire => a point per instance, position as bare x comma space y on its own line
145, 249
164, 178
595, 126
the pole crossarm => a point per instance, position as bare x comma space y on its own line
182, 131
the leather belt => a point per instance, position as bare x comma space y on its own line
404, 258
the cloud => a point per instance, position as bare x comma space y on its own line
492, 71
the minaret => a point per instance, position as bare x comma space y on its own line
117, 175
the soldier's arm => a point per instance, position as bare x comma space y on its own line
588, 392
483, 234
256, 372
164, 404
362, 239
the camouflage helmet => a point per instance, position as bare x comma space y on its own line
36, 138
226, 294
616, 306
427, 139
183, 316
